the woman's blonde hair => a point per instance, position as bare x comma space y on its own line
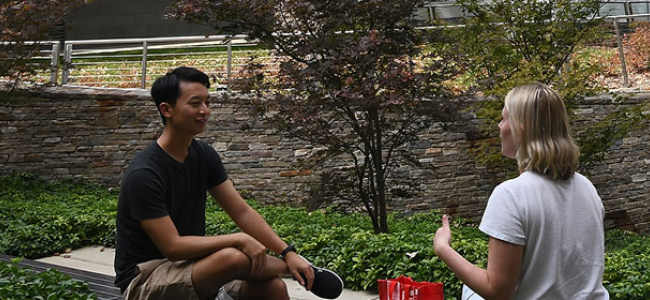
540, 127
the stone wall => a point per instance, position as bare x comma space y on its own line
66, 132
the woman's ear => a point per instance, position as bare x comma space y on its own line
166, 109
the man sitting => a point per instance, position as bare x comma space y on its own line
162, 251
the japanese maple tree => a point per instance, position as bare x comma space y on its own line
358, 83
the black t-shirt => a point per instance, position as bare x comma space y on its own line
156, 185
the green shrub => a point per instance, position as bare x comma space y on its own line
17, 283
347, 244
38, 218
626, 265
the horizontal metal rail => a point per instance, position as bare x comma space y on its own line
110, 53
83, 49
166, 40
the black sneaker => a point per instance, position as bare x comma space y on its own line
327, 284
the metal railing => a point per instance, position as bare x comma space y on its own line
619, 41
134, 63
450, 10
123, 60
48, 55
618, 8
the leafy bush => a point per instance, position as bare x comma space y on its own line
38, 218
347, 244
17, 283
626, 265
604, 59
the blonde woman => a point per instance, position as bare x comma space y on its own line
545, 227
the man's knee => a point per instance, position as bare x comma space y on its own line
217, 269
232, 259
277, 285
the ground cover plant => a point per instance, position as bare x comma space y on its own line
39, 219
18, 283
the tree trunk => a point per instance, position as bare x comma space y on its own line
378, 162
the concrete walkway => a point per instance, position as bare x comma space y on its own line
99, 259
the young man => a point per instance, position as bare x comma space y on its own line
162, 251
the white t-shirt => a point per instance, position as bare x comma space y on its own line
560, 225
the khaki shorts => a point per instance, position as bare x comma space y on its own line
162, 279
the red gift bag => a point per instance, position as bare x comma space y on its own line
404, 288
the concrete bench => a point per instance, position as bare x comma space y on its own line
100, 284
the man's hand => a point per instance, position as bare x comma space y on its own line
442, 239
298, 265
255, 250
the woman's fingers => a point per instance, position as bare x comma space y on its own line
445, 221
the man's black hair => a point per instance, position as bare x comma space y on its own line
167, 88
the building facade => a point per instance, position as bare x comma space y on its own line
109, 19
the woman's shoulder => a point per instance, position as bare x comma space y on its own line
524, 179
524, 184
579, 177
529, 181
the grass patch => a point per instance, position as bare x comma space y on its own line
39, 218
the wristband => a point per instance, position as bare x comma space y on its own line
286, 251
